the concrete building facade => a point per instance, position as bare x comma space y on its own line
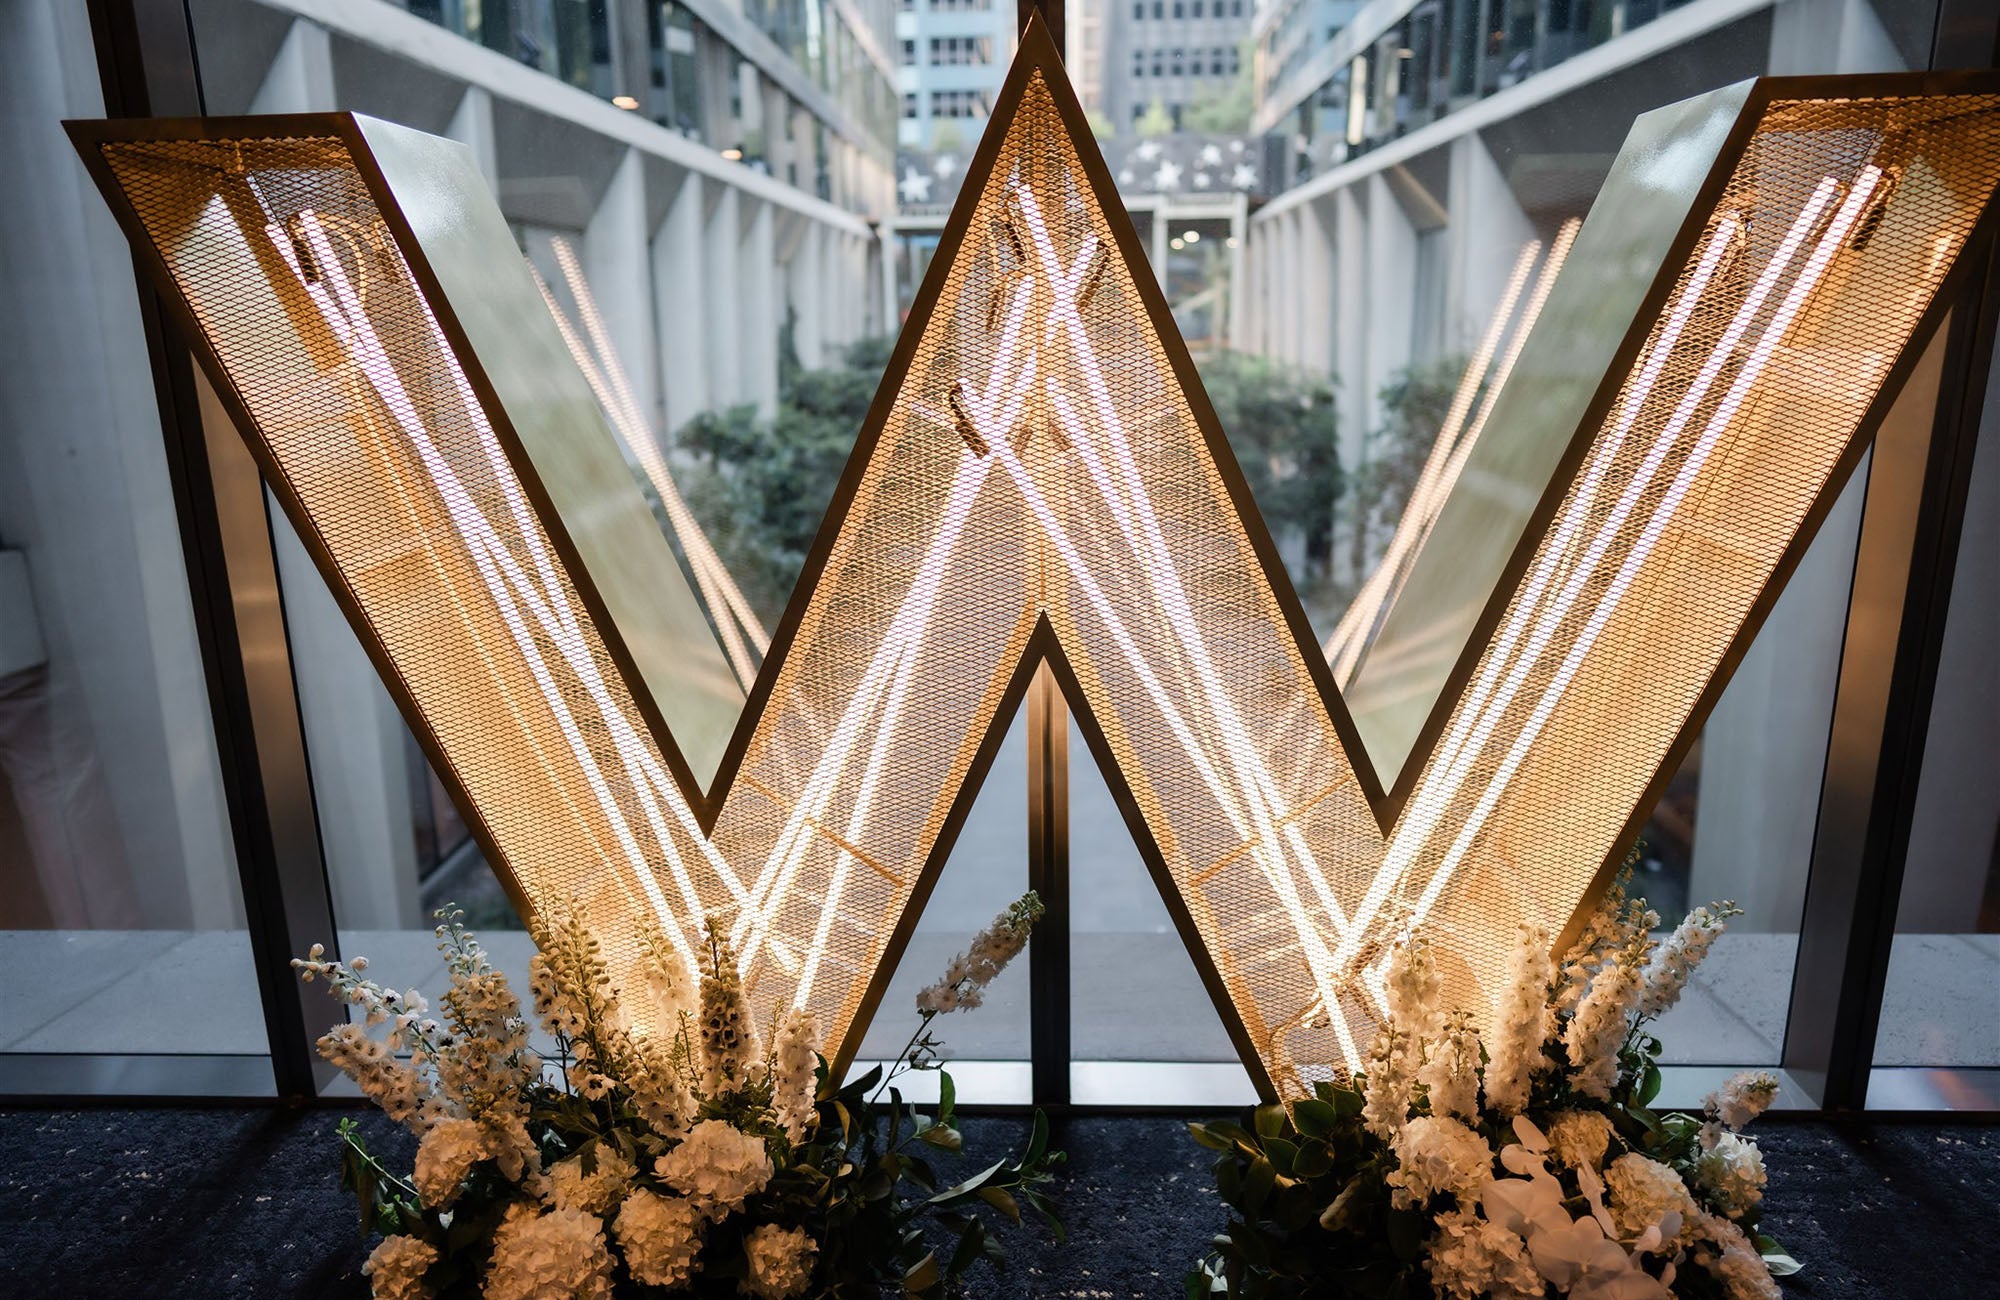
1168, 53
953, 56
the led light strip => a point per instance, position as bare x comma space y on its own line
511, 588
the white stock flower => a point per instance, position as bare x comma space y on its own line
396, 1268
560, 1255
1743, 1098
794, 1086
445, 1156
1579, 1138
395, 1087
1522, 1025
1470, 1258
597, 1192
781, 1262
1451, 1075
661, 1236
1730, 1169
1643, 1192
1412, 985
1681, 953
1727, 1255
1437, 1156
1598, 1030
717, 1167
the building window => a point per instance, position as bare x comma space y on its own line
1159, 63
1195, 8
1138, 63
958, 103
1159, 9
910, 104
910, 52
961, 51
1180, 8
1139, 11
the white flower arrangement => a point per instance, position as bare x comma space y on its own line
1527, 1166
663, 1151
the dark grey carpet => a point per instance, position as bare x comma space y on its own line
209, 1204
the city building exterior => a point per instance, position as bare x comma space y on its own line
1170, 54
953, 55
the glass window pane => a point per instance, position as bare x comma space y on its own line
121, 920
1941, 1008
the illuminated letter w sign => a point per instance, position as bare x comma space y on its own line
1041, 477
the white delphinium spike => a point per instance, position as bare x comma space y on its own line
1603, 1018
729, 1046
963, 985
1450, 1074
794, 1082
1398, 1050
1522, 1026
1681, 953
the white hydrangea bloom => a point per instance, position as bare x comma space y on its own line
717, 1167
445, 1156
781, 1262
396, 1268
1726, 1254
597, 1192
560, 1255
1743, 1098
1643, 1192
1522, 1025
795, 1085
661, 1236
1470, 1258
1730, 1169
1436, 1156
1579, 1138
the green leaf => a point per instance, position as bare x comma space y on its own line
1649, 1088
942, 1136
1038, 1140
1782, 1265
947, 1097
1270, 1120
1258, 1180
1348, 1102
922, 1276
999, 1199
1314, 1118
1283, 1155
1207, 1137
971, 1243
1315, 1160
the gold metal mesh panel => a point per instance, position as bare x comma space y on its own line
369, 430
1830, 240
1039, 462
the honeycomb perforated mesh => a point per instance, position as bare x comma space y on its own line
1040, 460
375, 438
